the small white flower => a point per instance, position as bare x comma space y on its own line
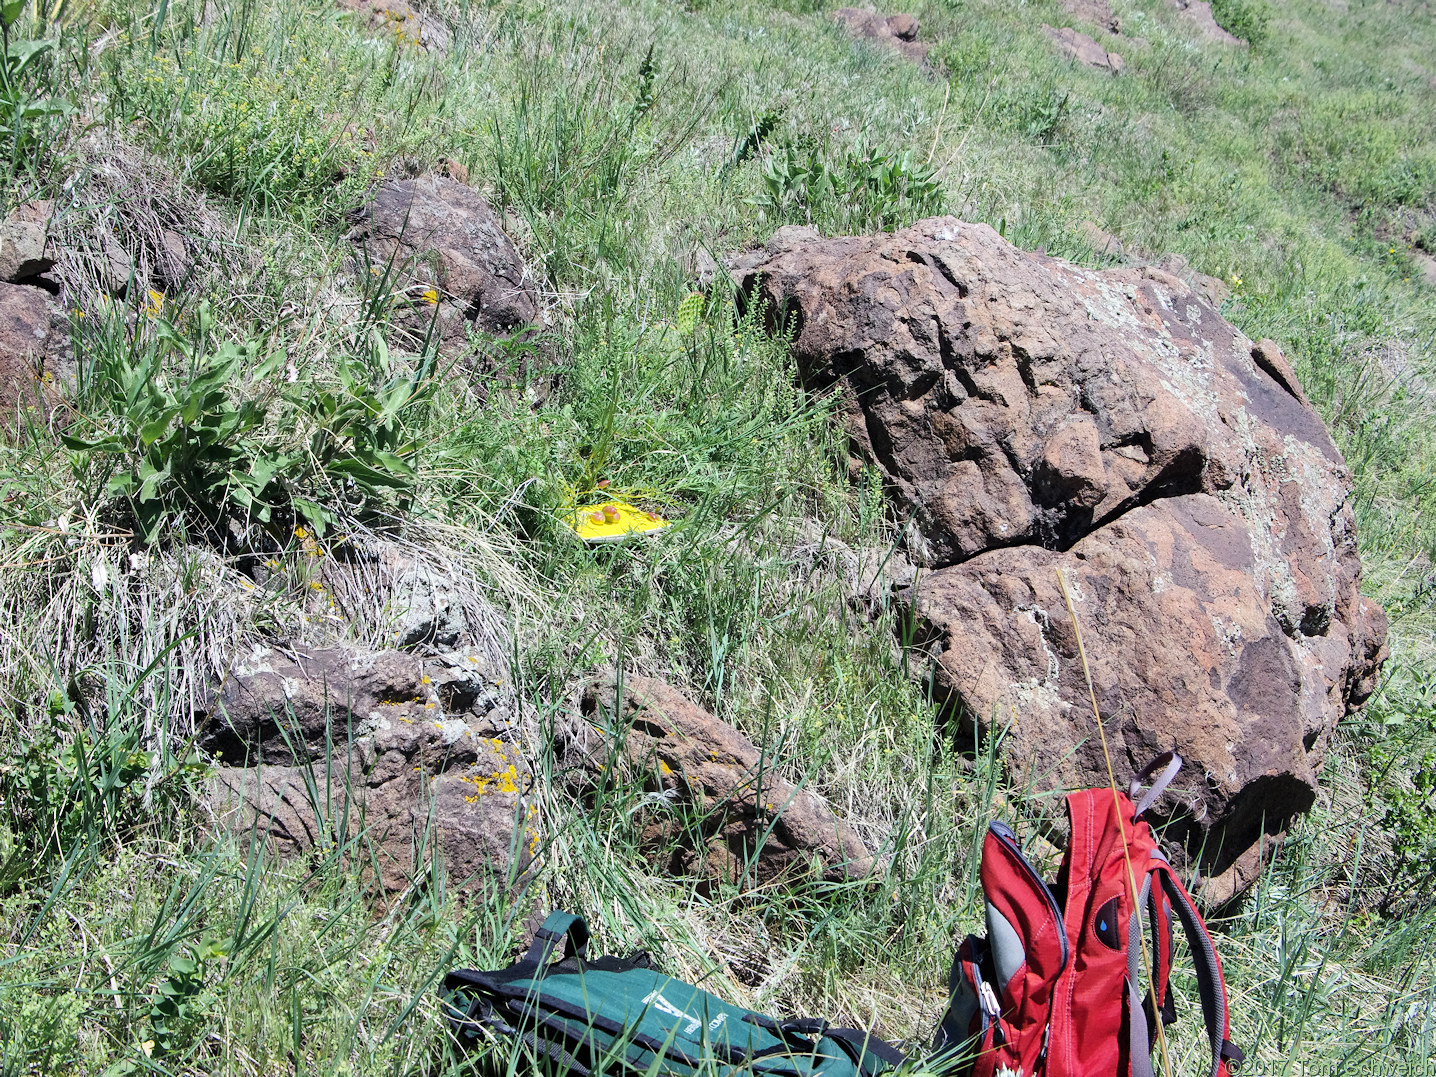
100, 574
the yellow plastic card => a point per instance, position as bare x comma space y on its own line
612, 521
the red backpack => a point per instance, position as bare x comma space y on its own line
1054, 988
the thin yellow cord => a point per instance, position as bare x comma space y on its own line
1121, 829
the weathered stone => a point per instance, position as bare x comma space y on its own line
1184, 650
280, 706
897, 32
1101, 241
1198, 14
22, 250
454, 170
1425, 266
1076, 45
33, 344
1213, 289
174, 269
1097, 12
444, 240
1031, 415
752, 818
425, 608
406, 22
415, 756
870, 575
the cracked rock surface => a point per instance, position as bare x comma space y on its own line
443, 242
714, 782
1031, 415
406, 758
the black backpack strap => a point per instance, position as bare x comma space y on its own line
1210, 986
468, 993
1158, 1005
863, 1048
557, 928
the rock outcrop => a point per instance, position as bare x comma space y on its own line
406, 757
755, 825
402, 19
896, 32
1198, 14
445, 249
24, 252
1076, 45
1097, 12
34, 350
1032, 416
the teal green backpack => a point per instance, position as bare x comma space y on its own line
615, 1015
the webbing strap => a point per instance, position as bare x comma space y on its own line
1171, 762
1139, 1040
863, 1046
1210, 987
1139, 1051
557, 928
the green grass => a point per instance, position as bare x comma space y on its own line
620, 139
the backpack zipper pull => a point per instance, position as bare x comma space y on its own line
987, 999
1042, 1054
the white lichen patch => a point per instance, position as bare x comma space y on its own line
452, 730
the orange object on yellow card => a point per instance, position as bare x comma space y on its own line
613, 521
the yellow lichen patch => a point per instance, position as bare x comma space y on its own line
612, 521
505, 780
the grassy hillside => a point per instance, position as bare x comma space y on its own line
621, 139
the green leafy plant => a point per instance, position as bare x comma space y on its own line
1041, 115
361, 443
865, 190
1403, 773
20, 60
268, 130
182, 450
1246, 19
193, 435
757, 135
177, 1002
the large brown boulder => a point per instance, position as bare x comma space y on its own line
1031, 416
749, 816
409, 758
445, 250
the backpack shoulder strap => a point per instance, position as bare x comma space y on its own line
1226, 1056
871, 1055
557, 929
